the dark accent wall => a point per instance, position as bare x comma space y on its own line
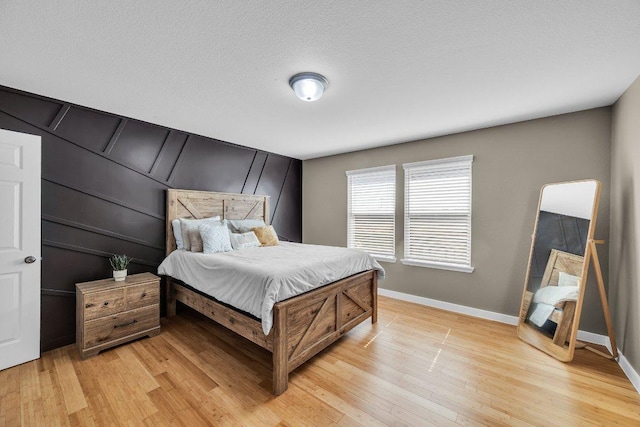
103, 191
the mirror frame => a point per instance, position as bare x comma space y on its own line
528, 333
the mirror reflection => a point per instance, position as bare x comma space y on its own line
554, 286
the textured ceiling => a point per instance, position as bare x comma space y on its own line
398, 71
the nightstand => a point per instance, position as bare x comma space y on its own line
110, 313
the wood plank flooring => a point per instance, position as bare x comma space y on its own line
417, 366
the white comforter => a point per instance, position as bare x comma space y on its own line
546, 298
254, 279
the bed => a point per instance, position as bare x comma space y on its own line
302, 325
563, 313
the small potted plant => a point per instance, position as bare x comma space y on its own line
119, 264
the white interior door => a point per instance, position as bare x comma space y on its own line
19, 248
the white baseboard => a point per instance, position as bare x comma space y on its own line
628, 370
593, 338
590, 337
448, 306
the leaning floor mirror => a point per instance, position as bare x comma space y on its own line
558, 266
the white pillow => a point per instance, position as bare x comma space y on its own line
244, 240
566, 279
215, 237
177, 233
244, 225
188, 226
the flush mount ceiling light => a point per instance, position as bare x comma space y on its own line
308, 86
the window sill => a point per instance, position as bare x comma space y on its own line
438, 265
382, 258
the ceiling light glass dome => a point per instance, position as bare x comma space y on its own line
308, 86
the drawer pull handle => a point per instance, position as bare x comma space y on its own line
106, 303
122, 325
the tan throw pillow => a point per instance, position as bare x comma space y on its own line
267, 235
196, 241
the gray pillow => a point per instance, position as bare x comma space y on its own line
244, 225
244, 240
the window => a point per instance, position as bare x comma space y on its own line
371, 211
437, 214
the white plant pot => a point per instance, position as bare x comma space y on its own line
119, 275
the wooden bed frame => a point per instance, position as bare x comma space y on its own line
303, 325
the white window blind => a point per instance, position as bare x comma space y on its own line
371, 211
437, 213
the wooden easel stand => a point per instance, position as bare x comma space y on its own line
593, 253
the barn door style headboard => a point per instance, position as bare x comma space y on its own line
193, 204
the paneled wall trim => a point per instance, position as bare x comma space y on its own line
103, 191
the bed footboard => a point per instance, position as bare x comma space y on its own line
305, 325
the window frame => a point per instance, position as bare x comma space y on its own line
370, 171
434, 165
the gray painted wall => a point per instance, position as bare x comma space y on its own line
625, 223
511, 164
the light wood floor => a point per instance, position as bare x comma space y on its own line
427, 368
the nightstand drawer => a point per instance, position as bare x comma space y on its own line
103, 303
100, 331
142, 295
